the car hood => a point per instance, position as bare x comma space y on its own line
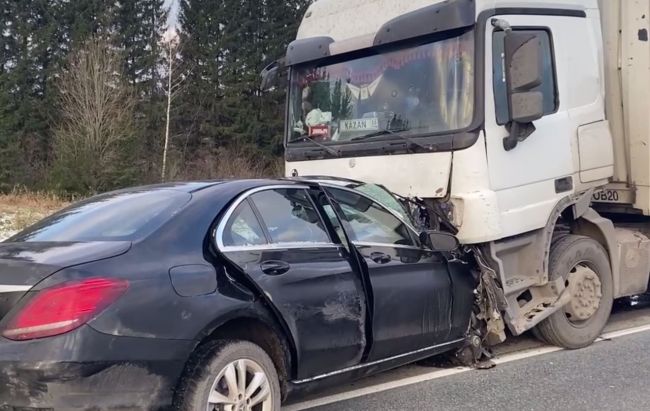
23, 265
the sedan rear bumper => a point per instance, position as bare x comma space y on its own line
89, 370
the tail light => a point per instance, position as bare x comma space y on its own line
63, 308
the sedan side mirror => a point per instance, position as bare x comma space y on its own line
272, 76
440, 241
523, 60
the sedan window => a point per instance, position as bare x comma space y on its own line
117, 216
369, 222
243, 228
290, 216
385, 198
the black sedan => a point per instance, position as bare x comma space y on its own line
221, 296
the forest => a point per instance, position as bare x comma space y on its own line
97, 94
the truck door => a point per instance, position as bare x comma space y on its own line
411, 286
277, 238
531, 178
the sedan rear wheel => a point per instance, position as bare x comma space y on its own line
230, 376
241, 386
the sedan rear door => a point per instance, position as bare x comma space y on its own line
277, 237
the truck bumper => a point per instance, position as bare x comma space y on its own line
88, 370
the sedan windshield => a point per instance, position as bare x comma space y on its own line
121, 216
422, 90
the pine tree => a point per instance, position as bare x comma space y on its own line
137, 31
37, 36
225, 44
282, 21
85, 19
138, 26
200, 115
243, 42
30, 32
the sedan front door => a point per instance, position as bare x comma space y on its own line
411, 285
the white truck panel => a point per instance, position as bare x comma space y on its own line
410, 175
626, 28
343, 20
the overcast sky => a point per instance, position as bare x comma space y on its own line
173, 11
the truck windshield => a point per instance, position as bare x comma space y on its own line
414, 91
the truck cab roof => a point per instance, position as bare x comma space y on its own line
344, 20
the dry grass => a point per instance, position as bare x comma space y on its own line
21, 208
225, 163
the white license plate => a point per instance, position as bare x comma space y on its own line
360, 124
614, 196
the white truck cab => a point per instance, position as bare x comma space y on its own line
525, 124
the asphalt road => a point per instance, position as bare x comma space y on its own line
610, 375
607, 376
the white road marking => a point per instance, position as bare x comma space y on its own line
434, 375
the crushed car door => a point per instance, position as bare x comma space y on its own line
279, 240
411, 285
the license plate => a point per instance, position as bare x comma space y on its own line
614, 196
361, 124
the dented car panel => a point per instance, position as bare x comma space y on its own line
321, 300
412, 298
86, 369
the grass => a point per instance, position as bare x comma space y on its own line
21, 208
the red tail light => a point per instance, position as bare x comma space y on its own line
63, 308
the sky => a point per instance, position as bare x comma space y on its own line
174, 5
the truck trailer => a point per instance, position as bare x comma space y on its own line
522, 127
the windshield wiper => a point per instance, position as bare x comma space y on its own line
392, 133
316, 143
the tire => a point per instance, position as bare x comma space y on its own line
205, 375
538, 335
566, 254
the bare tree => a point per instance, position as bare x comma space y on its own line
96, 117
174, 81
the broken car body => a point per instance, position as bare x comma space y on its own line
329, 282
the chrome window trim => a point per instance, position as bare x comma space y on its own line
218, 232
371, 364
281, 246
14, 288
402, 246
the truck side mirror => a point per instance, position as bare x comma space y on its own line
523, 61
440, 241
272, 76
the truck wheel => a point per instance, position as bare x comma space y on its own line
230, 375
584, 265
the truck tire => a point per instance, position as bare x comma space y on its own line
586, 263
237, 374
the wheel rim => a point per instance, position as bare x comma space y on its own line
586, 294
241, 386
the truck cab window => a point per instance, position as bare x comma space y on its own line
548, 86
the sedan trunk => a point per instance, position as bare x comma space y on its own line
25, 264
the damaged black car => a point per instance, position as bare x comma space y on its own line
223, 296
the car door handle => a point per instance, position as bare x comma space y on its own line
275, 267
380, 258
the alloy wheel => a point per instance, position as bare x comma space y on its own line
241, 386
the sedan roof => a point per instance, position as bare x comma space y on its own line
244, 184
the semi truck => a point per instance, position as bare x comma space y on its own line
522, 127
